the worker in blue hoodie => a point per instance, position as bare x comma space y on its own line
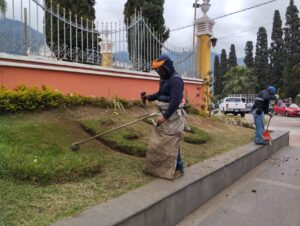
259, 109
163, 156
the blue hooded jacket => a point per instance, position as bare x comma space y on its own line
262, 100
170, 88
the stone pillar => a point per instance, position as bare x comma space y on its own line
106, 52
204, 32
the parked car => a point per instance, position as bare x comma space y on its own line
287, 109
233, 105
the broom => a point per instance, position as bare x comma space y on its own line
266, 133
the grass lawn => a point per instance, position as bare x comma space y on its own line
42, 181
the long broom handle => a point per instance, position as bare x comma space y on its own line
269, 123
270, 116
114, 129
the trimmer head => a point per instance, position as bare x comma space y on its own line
75, 147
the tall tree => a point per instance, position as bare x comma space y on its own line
249, 60
292, 44
291, 31
239, 80
232, 61
2, 7
261, 63
276, 52
84, 11
217, 76
152, 11
223, 70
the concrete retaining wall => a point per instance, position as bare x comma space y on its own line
164, 203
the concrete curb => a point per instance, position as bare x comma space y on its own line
163, 203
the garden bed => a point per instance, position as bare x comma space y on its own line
37, 145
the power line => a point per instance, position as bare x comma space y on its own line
243, 10
226, 15
249, 29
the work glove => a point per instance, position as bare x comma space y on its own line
258, 111
143, 97
277, 96
160, 120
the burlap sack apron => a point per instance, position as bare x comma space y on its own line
164, 143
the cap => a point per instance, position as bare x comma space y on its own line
160, 61
271, 89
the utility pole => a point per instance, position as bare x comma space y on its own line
25, 41
195, 5
204, 36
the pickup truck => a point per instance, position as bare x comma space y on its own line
233, 105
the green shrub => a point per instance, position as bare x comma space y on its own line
29, 99
196, 136
32, 99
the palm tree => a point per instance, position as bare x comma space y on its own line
239, 80
2, 7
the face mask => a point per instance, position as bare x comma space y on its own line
162, 73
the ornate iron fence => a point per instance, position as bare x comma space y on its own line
36, 29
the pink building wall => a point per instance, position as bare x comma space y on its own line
86, 80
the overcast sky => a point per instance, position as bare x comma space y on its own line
235, 29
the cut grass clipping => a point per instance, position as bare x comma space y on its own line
129, 140
38, 151
196, 136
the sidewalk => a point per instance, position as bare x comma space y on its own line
267, 196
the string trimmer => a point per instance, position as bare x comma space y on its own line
143, 94
75, 146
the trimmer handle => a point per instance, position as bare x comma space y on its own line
143, 97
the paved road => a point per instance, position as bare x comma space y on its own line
288, 123
267, 196
279, 122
